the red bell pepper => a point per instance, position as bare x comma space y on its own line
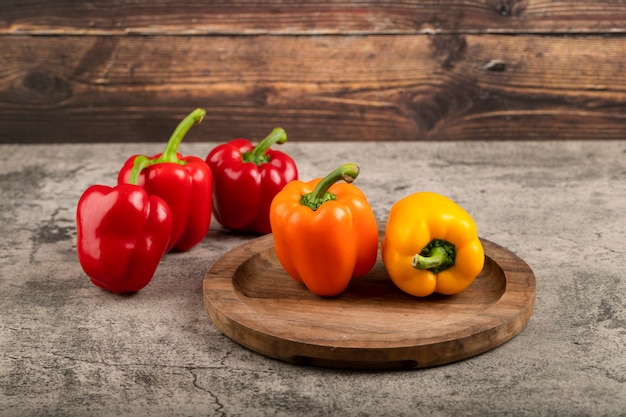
122, 234
185, 183
246, 179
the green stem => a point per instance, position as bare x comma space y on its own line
320, 194
437, 256
257, 155
141, 162
171, 149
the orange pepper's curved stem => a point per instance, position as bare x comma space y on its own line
320, 194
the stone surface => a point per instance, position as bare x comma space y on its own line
68, 348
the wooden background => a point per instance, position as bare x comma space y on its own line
121, 70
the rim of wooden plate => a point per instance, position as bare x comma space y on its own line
372, 325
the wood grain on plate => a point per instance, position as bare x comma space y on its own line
372, 325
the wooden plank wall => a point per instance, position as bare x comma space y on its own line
120, 70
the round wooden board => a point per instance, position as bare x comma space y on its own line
372, 325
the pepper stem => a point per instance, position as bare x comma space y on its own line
171, 149
257, 155
437, 256
320, 194
141, 162
170, 154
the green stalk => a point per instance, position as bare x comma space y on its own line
257, 155
141, 162
171, 149
320, 194
437, 256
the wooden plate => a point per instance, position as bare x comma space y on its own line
372, 325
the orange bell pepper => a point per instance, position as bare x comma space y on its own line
324, 232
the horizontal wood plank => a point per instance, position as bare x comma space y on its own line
158, 17
325, 88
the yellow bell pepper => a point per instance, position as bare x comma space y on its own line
431, 245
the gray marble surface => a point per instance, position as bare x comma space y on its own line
68, 348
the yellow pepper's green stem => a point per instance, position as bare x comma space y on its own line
257, 155
320, 194
437, 256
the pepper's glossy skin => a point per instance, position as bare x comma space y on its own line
185, 183
324, 248
243, 191
413, 223
186, 187
122, 234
